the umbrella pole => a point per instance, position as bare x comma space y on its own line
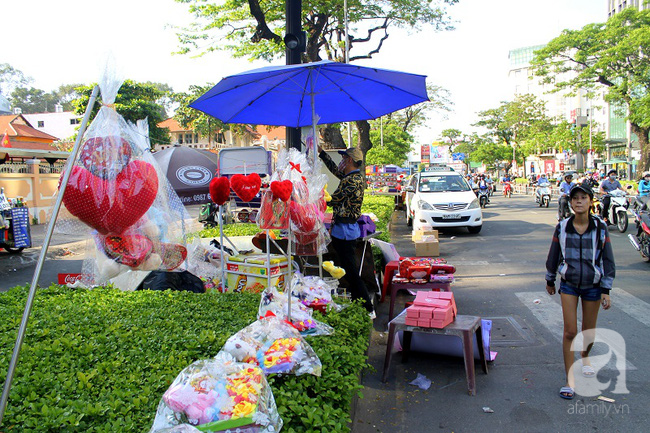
223, 259
315, 151
39, 265
290, 276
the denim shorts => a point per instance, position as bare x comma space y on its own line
590, 294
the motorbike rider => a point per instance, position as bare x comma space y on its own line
565, 188
483, 185
644, 185
607, 186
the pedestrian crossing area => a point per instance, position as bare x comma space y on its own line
548, 311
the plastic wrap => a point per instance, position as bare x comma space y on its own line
217, 395
314, 292
275, 346
275, 302
118, 195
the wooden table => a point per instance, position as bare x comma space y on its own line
463, 327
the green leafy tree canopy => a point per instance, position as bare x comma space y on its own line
134, 101
614, 54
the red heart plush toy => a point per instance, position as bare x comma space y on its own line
172, 255
129, 250
246, 187
111, 206
220, 190
282, 189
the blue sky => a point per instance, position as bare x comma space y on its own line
66, 41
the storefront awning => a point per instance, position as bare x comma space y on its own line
615, 161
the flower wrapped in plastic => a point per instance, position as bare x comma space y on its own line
117, 194
275, 302
275, 346
219, 395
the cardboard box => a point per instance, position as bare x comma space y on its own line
427, 249
411, 322
249, 273
417, 234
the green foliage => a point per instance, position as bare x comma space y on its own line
521, 181
397, 145
134, 101
521, 123
235, 229
100, 360
382, 206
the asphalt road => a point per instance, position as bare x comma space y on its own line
500, 276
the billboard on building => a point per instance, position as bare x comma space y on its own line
425, 154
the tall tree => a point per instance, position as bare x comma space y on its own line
516, 123
254, 29
616, 55
134, 101
452, 136
390, 144
11, 78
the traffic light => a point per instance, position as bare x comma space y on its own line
296, 41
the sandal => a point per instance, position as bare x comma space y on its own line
588, 371
566, 392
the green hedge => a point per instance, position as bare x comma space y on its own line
100, 360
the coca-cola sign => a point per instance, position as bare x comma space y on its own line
68, 278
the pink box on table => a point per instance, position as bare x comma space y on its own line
413, 312
411, 322
424, 323
443, 313
426, 313
439, 323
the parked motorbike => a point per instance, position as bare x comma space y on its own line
564, 209
641, 241
543, 194
483, 196
617, 213
507, 190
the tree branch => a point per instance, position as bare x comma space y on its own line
262, 30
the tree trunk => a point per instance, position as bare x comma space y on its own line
332, 138
364, 142
642, 134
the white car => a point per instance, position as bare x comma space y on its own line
442, 198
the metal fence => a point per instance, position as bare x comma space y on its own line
18, 167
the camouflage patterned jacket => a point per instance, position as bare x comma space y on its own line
348, 197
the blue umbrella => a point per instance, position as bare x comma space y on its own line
311, 93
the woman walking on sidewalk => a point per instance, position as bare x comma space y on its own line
582, 254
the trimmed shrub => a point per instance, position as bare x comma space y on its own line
100, 360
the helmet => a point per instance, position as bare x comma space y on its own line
611, 171
568, 175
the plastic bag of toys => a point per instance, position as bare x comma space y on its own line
275, 302
118, 195
314, 292
218, 395
275, 346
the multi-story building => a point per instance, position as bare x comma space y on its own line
615, 6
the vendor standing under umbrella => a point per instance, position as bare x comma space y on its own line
346, 205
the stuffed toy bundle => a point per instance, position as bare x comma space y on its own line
273, 345
217, 395
117, 193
